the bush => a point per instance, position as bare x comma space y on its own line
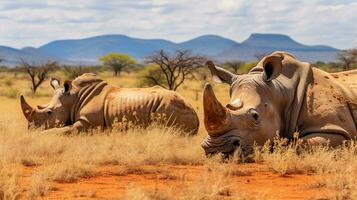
11, 93
8, 82
246, 68
150, 76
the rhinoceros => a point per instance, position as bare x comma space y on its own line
280, 96
89, 102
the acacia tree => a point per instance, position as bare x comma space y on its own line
38, 74
234, 65
348, 58
174, 69
117, 62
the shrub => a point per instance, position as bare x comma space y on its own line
11, 93
150, 76
246, 67
9, 82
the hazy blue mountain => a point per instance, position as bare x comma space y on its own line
272, 41
9, 55
89, 50
12, 56
258, 44
209, 45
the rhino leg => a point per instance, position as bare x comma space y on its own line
75, 128
316, 139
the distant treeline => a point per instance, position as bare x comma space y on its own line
163, 69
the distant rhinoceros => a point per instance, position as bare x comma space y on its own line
89, 102
280, 95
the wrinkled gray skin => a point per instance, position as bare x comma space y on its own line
278, 97
88, 102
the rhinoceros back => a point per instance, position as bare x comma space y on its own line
142, 106
348, 78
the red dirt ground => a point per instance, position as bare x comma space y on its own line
107, 184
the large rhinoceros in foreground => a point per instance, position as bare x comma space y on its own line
89, 102
280, 95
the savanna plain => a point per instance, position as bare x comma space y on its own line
157, 162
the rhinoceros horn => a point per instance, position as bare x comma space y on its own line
26, 108
216, 116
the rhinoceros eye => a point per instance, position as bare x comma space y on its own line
254, 115
49, 112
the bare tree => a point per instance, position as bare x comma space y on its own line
234, 65
175, 68
38, 74
348, 58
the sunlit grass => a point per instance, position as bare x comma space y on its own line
59, 158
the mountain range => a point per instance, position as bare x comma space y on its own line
89, 50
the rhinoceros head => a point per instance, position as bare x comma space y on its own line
253, 114
54, 114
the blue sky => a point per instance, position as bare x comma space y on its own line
36, 22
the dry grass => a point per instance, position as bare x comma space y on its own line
67, 172
335, 169
41, 180
135, 147
69, 158
39, 186
161, 172
9, 182
210, 186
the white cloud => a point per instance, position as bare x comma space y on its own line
229, 5
35, 22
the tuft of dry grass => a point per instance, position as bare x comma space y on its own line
135, 169
227, 169
41, 180
39, 186
65, 172
9, 182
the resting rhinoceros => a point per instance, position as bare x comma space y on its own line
89, 102
280, 95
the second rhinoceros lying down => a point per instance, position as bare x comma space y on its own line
280, 95
89, 102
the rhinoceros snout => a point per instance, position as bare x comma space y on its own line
227, 147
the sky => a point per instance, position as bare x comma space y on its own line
36, 22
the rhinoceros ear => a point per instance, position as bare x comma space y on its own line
55, 83
219, 74
67, 86
272, 66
